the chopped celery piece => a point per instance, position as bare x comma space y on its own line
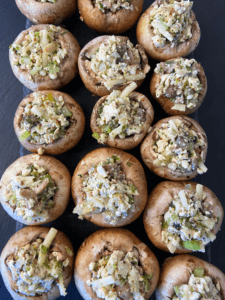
53, 69
24, 136
192, 245
69, 251
66, 112
46, 265
164, 25
25, 59
199, 272
175, 217
169, 62
146, 279
107, 129
64, 32
100, 110
176, 289
95, 135
165, 225
131, 200
45, 245
116, 158
35, 70
44, 249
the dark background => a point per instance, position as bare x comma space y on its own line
211, 116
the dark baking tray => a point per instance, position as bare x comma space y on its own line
211, 117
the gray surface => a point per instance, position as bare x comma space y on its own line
211, 117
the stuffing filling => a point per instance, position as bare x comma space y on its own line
44, 119
119, 275
171, 23
40, 53
179, 82
178, 147
31, 192
119, 116
33, 277
50, 1
117, 62
199, 286
107, 190
189, 221
113, 6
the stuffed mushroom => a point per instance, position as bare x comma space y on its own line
35, 190
189, 277
111, 17
37, 263
47, 11
44, 57
111, 62
175, 148
179, 85
168, 29
182, 217
122, 119
114, 264
49, 122
109, 188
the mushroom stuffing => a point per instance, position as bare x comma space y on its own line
107, 190
117, 62
119, 116
35, 189
118, 274
199, 286
31, 193
114, 264
189, 221
35, 269
112, 62
37, 262
171, 23
45, 119
112, 5
179, 82
122, 119
44, 57
40, 53
179, 148
189, 277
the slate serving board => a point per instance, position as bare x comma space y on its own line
211, 116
